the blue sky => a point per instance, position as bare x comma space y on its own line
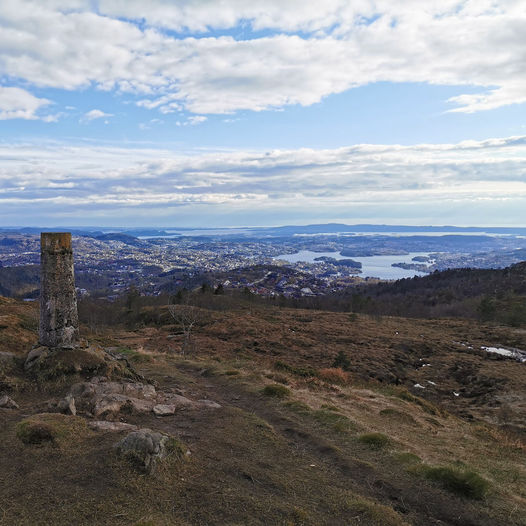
199, 113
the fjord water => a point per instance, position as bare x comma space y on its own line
372, 266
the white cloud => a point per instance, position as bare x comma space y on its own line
197, 119
65, 179
17, 103
95, 114
344, 44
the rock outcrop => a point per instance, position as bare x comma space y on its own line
143, 448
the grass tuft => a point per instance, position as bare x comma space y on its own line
297, 406
335, 375
304, 372
51, 427
374, 440
407, 458
336, 421
276, 391
134, 356
464, 483
403, 394
232, 372
176, 448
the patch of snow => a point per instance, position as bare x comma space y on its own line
430, 382
517, 354
456, 394
498, 350
418, 386
464, 345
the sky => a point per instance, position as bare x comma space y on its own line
200, 113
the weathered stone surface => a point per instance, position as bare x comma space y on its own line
82, 390
111, 404
67, 406
104, 425
209, 403
164, 410
105, 398
7, 402
33, 355
49, 363
180, 402
96, 386
107, 405
139, 390
59, 324
143, 448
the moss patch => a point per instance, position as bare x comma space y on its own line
57, 364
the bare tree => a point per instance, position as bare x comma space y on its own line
186, 316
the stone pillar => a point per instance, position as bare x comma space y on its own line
59, 323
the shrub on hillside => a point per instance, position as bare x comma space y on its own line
464, 483
335, 375
342, 361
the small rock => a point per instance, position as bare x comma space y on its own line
164, 410
7, 402
115, 403
209, 403
98, 379
180, 401
103, 425
82, 390
107, 405
143, 448
139, 390
67, 406
138, 405
33, 355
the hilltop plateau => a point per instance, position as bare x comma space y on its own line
300, 417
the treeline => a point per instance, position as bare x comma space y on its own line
497, 295
484, 294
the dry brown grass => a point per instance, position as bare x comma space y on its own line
263, 460
335, 375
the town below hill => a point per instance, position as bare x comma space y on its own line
290, 262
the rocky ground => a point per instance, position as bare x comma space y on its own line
256, 426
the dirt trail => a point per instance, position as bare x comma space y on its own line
421, 503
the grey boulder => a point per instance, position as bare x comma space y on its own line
7, 402
143, 448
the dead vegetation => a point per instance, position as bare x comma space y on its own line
299, 439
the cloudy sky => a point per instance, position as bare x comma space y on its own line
209, 113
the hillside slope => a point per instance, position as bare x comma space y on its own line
295, 441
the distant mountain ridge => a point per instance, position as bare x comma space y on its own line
317, 228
